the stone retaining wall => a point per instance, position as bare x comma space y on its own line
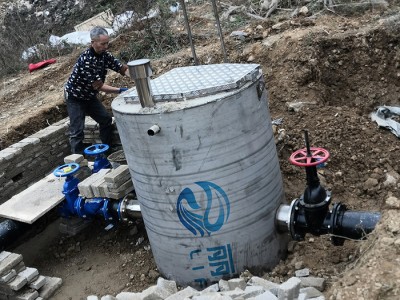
34, 157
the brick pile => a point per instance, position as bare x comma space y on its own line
107, 183
18, 282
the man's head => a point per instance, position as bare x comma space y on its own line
100, 39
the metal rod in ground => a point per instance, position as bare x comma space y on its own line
221, 37
189, 31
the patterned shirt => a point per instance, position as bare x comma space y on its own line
89, 68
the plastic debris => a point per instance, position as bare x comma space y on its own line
384, 117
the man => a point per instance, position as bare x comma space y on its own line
83, 86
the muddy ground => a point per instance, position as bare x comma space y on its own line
340, 67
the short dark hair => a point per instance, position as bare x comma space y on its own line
96, 32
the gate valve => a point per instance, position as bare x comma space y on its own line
315, 200
100, 161
70, 187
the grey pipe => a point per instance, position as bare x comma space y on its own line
140, 71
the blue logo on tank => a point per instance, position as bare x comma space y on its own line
205, 216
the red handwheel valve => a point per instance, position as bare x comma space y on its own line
313, 157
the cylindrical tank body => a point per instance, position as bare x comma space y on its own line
209, 182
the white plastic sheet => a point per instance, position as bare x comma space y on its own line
384, 118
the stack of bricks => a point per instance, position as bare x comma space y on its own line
18, 282
107, 183
92, 134
84, 170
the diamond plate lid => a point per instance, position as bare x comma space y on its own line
197, 81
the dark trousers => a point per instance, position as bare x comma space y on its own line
77, 110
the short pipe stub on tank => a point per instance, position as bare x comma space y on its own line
153, 130
140, 71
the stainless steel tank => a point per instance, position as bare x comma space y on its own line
205, 169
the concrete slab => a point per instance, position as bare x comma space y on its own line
35, 201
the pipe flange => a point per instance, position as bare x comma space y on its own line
122, 215
294, 208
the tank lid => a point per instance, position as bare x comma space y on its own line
198, 81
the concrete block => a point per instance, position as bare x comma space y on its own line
253, 291
28, 294
4, 254
183, 294
129, 296
316, 282
85, 187
118, 173
223, 285
266, 284
29, 274
122, 180
211, 296
154, 292
10, 275
73, 158
123, 187
267, 295
302, 273
118, 195
211, 288
290, 289
84, 163
17, 283
237, 283
38, 282
51, 285
20, 267
95, 187
235, 294
9, 262
92, 297
302, 296
9, 153
167, 285
108, 297
311, 292
103, 189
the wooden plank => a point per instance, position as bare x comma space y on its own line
35, 201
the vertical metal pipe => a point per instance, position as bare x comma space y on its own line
189, 31
221, 38
140, 71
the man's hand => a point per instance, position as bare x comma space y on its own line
121, 90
